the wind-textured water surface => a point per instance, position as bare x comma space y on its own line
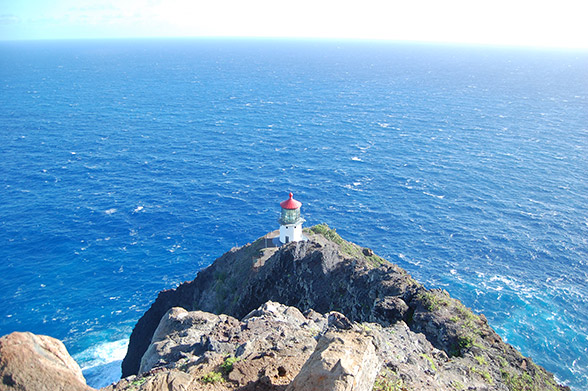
127, 166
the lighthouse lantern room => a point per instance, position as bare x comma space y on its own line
290, 221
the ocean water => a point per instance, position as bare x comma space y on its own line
127, 166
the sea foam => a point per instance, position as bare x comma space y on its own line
101, 364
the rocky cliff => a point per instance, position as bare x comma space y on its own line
321, 314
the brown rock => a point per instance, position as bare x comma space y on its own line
38, 362
173, 380
344, 360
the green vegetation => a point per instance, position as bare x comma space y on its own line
432, 302
331, 234
219, 377
465, 341
466, 314
457, 385
467, 326
388, 381
212, 378
525, 382
481, 360
254, 250
430, 360
376, 261
350, 249
135, 384
503, 362
470, 320
227, 365
484, 373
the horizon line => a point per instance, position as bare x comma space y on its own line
308, 39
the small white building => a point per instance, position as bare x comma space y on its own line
290, 221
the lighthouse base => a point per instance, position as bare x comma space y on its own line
291, 233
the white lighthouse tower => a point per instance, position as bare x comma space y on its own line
290, 221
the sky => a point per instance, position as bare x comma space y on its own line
538, 23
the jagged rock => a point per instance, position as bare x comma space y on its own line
337, 320
317, 274
172, 380
38, 362
279, 312
182, 296
265, 350
274, 347
440, 344
389, 310
344, 360
180, 331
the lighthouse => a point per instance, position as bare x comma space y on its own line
290, 221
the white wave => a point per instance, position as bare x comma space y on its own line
434, 195
101, 364
110, 211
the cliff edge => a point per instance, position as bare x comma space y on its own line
423, 339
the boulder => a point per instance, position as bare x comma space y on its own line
38, 362
389, 310
181, 332
279, 312
344, 360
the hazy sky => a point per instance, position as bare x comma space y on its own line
560, 23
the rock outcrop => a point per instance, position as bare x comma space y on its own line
277, 348
37, 362
320, 274
423, 338
264, 351
324, 315
343, 360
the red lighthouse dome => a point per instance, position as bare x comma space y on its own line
290, 203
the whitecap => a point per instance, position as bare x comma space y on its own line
101, 363
110, 211
356, 159
434, 195
138, 209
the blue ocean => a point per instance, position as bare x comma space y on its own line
128, 166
